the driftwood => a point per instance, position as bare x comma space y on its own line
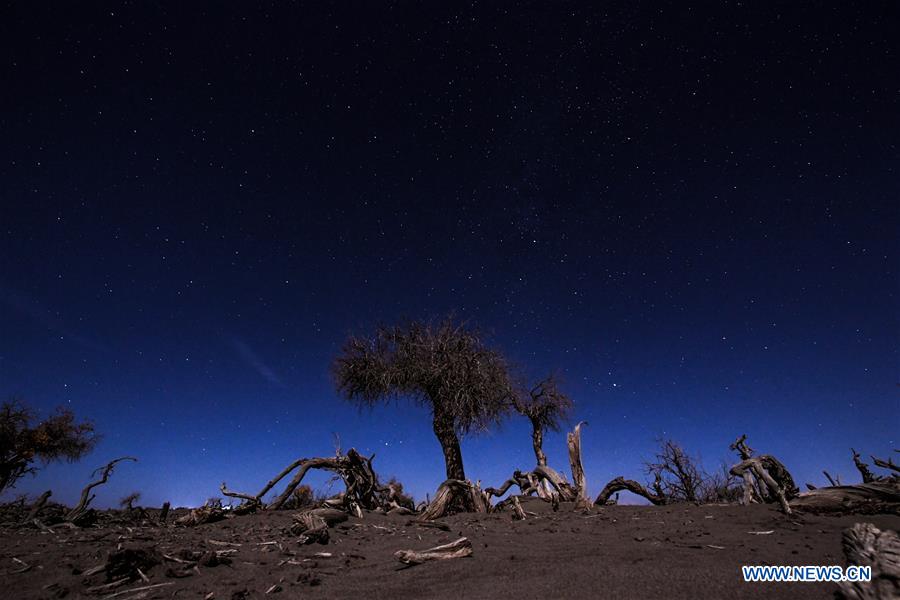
86, 497
620, 483
458, 549
865, 545
877, 496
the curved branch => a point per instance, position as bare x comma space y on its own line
620, 483
85, 500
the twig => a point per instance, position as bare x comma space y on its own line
139, 589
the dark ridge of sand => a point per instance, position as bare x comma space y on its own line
615, 552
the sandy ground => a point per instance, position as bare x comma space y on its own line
614, 552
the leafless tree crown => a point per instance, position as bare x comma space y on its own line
676, 474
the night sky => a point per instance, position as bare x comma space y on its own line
689, 212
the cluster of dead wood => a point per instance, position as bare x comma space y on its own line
43, 514
765, 479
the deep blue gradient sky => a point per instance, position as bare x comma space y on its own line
690, 213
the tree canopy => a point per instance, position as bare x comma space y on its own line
443, 364
23, 442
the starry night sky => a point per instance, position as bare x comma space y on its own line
689, 212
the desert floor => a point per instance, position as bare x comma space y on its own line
614, 552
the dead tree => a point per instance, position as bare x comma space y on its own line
879, 496
164, 513
444, 366
548, 483
862, 467
573, 439
676, 474
877, 493
80, 509
773, 482
363, 492
886, 464
546, 407
36, 507
620, 483
128, 501
866, 545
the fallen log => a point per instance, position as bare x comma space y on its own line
457, 549
620, 483
866, 545
877, 496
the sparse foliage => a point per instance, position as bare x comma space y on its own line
443, 365
24, 442
302, 497
546, 406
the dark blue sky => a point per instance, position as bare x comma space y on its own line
690, 213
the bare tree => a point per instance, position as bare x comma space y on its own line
676, 474
546, 406
127, 503
22, 442
443, 365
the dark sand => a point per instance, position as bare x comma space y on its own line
615, 552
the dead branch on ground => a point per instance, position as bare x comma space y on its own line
457, 549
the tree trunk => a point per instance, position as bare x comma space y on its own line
446, 435
866, 545
537, 440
